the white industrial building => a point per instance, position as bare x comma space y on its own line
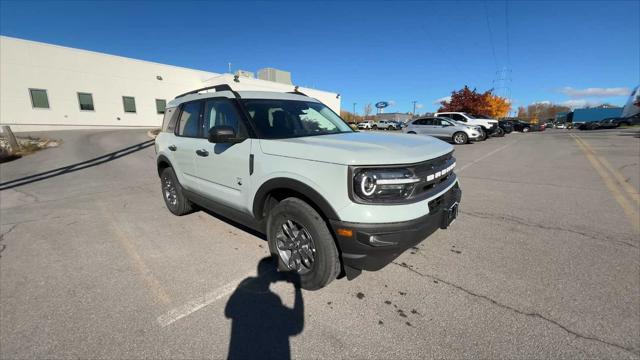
50, 87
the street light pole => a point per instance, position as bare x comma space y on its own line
414, 107
354, 111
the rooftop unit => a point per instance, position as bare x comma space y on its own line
275, 75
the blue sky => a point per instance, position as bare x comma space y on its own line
572, 52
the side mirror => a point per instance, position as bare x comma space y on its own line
223, 134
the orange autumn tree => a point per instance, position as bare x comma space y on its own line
496, 107
471, 101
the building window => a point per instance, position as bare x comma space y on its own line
86, 101
129, 104
161, 104
39, 98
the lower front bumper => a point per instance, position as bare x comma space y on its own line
372, 246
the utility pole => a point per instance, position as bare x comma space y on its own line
414, 107
229, 67
354, 111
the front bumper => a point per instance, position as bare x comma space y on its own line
372, 246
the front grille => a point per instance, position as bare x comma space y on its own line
427, 171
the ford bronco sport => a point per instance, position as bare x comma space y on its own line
330, 200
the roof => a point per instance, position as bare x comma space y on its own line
243, 94
595, 114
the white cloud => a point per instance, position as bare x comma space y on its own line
438, 101
543, 102
580, 103
419, 106
595, 92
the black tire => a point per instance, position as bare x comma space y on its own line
460, 138
375, 127
499, 132
171, 187
483, 134
325, 265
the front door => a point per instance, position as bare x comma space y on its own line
223, 169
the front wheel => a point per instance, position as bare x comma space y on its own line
460, 138
301, 241
499, 132
483, 134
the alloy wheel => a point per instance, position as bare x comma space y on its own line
169, 190
295, 247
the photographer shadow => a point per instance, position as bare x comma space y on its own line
261, 324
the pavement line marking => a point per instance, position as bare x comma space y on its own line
150, 281
460, 169
616, 174
630, 211
194, 305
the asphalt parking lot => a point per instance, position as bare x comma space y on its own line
543, 262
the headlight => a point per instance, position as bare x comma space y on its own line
380, 185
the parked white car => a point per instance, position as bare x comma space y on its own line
386, 125
366, 125
444, 129
286, 165
488, 126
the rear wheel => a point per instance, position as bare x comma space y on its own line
460, 138
175, 200
301, 241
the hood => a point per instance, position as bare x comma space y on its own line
359, 148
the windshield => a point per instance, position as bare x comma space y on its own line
278, 119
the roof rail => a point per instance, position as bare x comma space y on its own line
296, 91
223, 87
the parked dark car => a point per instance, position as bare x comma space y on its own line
505, 126
589, 125
610, 123
519, 125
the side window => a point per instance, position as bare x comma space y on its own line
39, 98
417, 122
458, 117
129, 104
427, 122
221, 112
444, 122
189, 119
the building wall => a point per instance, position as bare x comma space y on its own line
64, 72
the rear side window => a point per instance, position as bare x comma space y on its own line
170, 119
189, 119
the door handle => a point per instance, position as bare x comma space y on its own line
202, 152
172, 148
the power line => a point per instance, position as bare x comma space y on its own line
506, 29
493, 48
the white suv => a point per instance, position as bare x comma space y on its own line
488, 126
365, 125
331, 201
386, 125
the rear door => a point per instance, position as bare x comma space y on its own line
223, 169
184, 143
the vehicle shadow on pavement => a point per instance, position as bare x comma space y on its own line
77, 166
260, 324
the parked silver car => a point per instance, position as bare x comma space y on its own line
444, 129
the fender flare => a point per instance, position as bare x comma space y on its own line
290, 184
162, 159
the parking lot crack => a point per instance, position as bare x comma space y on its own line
523, 222
2, 236
518, 311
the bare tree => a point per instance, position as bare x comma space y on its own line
368, 109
